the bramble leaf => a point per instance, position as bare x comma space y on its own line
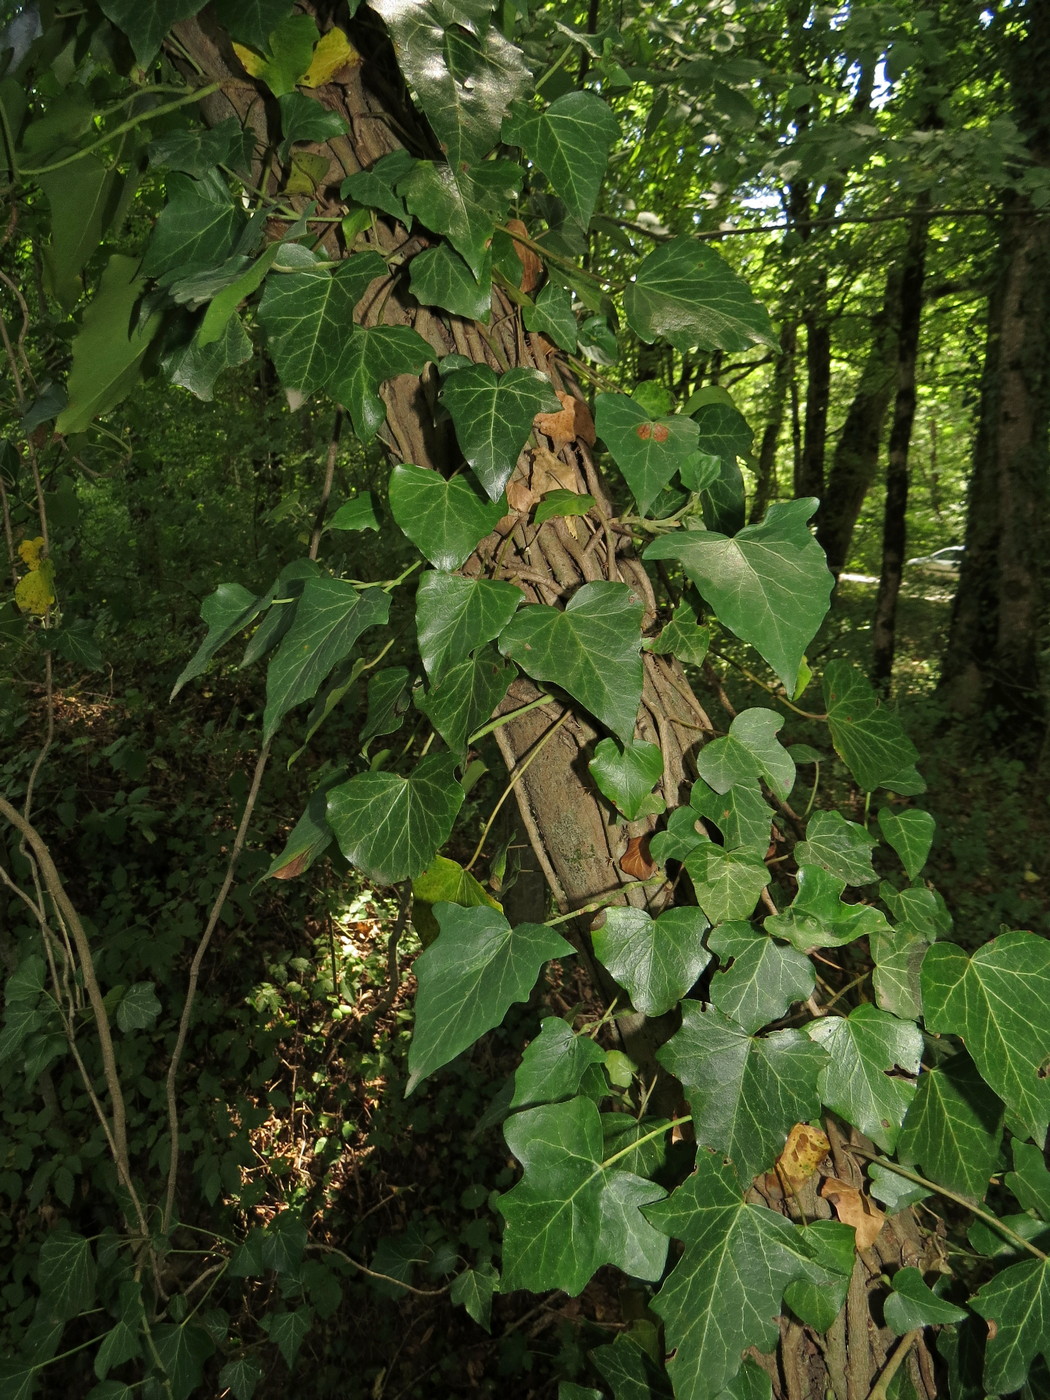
468, 979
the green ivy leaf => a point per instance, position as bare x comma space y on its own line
374, 188
287, 1331
304, 119
309, 838
683, 637
440, 277
562, 504
911, 1304
139, 1007
551, 315
445, 882
818, 1301
763, 978
456, 615
769, 584
227, 611
182, 1350
146, 22
465, 208
66, 1274
359, 513
630, 1371
742, 815
818, 918
330, 616
390, 827
953, 1128
725, 1293
223, 306
898, 954
573, 1210
867, 735
196, 367
727, 882
655, 960
468, 979
648, 450
473, 1290
745, 1092
196, 229
724, 433
493, 417
106, 355
570, 142
919, 910
305, 314
687, 294
388, 699
282, 61
554, 1064
857, 1082
1030, 1180
242, 1375
592, 650
466, 696
996, 1001
445, 520
910, 833
372, 356
1017, 1301
251, 21
840, 847
123, 1342
465, 81
82, 205
893, 1190
750, 750
627, 774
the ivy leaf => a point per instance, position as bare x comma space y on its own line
725, 1293
372, 356
683, 637
842, 848
466, 696
996, 1001
468, 979
390, 827
570, 142
387, 702
745, 1092
195, 366
465, 208
898, 955
445, 882
573, 1211
687, 294
242, 1375
253, 21
445, 520
374, 188
197, 227
727, 883
559, 503
910, 833
919, 910
182, 1351
655, 960
440, 277
465, 80
303, 119
139, 1007
226, 611
764, 979
1016, 1305
456, 615
769, 584
818, 1300
287, 1331
1030, 1180
66, 1274
306, 313
146, 22
953, 1128
592, 650
750, 750
554, 1064
493, 417
359, 513
724, 433
222, 306
856, 1083
309, 838
106, 354
473, 1290
630, 1371
818, 918
551, 315
911, 1304
284, 58
867, 735
647, 449
330, 616
742, 815
627, 774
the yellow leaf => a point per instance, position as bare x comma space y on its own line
29, 551
34, 594
803, 1152
333, 52
251, 61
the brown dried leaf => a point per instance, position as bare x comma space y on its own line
854, 1209
803, 1152
636, 860
572, 421
294, 867
532, 265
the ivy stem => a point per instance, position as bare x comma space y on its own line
606, 901
880, 1391
129, 125
985, 1215
501, 720
655, 1133
558, 62
538, 747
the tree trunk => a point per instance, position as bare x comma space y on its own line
992, 661
859, 443
895, 521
